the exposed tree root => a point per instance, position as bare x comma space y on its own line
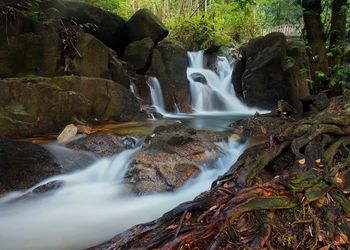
286, 194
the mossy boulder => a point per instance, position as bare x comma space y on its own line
138, 54
38, 105
169, 65
145, 24
105, 26
29, 47
270, 69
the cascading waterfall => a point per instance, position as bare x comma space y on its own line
157, 95
93, 205
212, 91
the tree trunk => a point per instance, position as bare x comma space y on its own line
338, 32
312, 10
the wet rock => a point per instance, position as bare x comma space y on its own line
169, 65
170, 156
68, 133
145, 24
103, 144
138, 54
39, 105
269, 70
22, 165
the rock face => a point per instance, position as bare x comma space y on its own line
269, 70
145, 24
29, 48
170, 157
138, 54
23, 165
103, 144
39, 105
169, 65
105, 26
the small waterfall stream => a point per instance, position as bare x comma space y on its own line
93, 205
212, 92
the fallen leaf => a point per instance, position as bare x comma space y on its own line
188, 216
318, 161
344, 237
171, 227
302, 161
338, 178
263, 130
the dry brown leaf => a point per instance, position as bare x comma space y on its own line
302, 161
188, 216
338, 178
344, 237
171, 227
263, 130
318, 161
340, 239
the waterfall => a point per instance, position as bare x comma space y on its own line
157, 95
212, 91
93, 205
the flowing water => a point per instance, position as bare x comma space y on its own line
93, 204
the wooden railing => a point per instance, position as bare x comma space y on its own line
290, 30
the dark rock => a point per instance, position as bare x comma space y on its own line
271, 72
145, 24
105, 26
169, 65
170, 156
314, 103
213, 49
29, 47
103, 144
22, 165
138, 54
40, 105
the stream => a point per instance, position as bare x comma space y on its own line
93, 205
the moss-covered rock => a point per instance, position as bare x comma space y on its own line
38, 105
138, 54
145, 24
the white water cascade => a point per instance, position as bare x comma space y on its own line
93, 205
212, 91
157, 96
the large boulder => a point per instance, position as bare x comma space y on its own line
103, 144
145, 24
138, 54
22, 165
39, 105
169, 65
171, 156
35, 48
269, 70
105, 26
29, 47
97, 60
